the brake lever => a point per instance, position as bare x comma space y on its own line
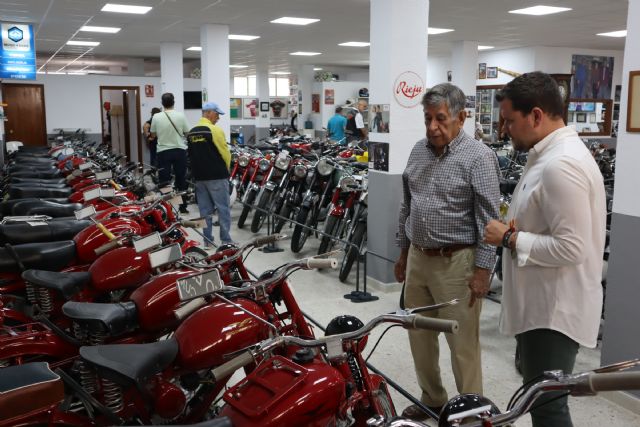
620, 366
429, 307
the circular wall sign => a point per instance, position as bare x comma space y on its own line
408, 89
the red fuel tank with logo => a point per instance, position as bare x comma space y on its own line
218, 329
120, 268
91, 238
284, 393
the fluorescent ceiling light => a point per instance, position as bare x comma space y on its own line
294, 21
432, 31
305, 53
540, 10
82, 43
92, 29
621, 33
126, 8
57, 73
280, 73
317, 69
96, 71
238, 66
480, 47
76, 73
194, 48
242, 37
355, 44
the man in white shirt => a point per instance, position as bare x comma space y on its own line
554, 239
364, 132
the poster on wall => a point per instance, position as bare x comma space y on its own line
278, 108
592, 76
329, 96
315, 103
379, 118
379, 156
149, 91
235, 106
250, 110
482, 71
17, 52
492, 72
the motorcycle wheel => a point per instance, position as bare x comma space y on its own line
352, 253
285, 212
331, 228
299, 236
259, 215
246, 209
196, 253
382, 396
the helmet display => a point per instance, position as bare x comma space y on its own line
363, 93
471, 407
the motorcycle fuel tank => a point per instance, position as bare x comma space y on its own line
91, 238
218, 329
119, 269
282, 393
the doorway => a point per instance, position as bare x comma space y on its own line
120, 116
25, 112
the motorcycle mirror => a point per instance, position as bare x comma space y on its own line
107, 193
199, 285
91, 194
84, 213
104, 175
167, 255
151, 241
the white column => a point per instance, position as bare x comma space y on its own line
305, 81
262, 92
135, 66
171, 72
214, 60
464, 67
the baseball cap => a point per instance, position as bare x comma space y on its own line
212, 106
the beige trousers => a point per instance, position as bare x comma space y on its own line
432, 280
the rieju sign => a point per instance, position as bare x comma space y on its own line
17, 53
408, 88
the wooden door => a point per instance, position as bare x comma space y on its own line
25, 113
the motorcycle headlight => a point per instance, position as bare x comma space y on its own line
324, 167
243, 161
282, 163
300, 171
264, 164
347, 183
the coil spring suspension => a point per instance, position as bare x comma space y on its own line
355, 371
45, 301
80, 333
31, 293
88, 378
112, 394
4, 363
97, 337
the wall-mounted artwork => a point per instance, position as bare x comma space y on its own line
592, 76
250, 108
235, 108
278, 108
482, 71
492, 72
633, 102
329, 96
315, 102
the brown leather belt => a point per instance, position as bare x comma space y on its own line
445, 251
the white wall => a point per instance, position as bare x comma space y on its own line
437, 68
520, 60
342, 92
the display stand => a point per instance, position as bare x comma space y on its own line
273, 246
358, 295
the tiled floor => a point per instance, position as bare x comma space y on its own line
320, 295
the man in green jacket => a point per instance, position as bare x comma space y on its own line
210, 162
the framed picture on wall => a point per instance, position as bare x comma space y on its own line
329, 96
278, 108
570, 117
633, 102
264, 106
485, 119
250, 108
315, 103
492, 72
581, 117
592, 117
235, 107
482, 71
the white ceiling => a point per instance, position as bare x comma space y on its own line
486, 21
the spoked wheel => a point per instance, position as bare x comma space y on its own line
196, 253
331, 228
246, 208
352, 252
260, 214
384, 401
300, 234
285, 212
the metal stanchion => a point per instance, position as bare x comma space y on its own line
357, 295
273, 246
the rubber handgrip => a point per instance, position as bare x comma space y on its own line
322, 263
612, 381
265, 240
439, 325
106, 232
184, 311
107, 247
227, 369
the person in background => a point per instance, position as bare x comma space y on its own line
479, 134
170, 128
152, 143
554, 240
210, 163
362, 129
336, 126
451, 191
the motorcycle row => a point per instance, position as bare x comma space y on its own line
308, 186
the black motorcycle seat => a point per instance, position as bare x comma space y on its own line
508, 186
32, 160
19, 376
18, 180
36, 185
134, 362
36, 174
67, 283
21, 232
32, 168
6, 207
116, 318
24, 192
52, 209
45, 256
216, 422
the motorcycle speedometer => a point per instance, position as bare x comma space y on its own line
264, 164
243, 161
324, 167
300, 171
347, 183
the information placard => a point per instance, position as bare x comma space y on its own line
17, 53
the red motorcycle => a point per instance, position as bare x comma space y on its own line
255, 182
317, 382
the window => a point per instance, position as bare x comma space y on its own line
278, 86
244, 86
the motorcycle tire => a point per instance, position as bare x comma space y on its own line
196, 253
384, 400
259, 215
331, 227
246, 209
285, 212
299, 236
352, 253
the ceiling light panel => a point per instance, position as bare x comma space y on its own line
305, 53
540, 10
294, 21
355, 44
238, 66
242, 37
280, 73
433, 31
82, 43
126, 8
481, 47
194, 48
621, 33
92, 29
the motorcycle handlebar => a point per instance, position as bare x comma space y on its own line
321, 263
440, 325
107, 247
228, 368
192, 223
595, 382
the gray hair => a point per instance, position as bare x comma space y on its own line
445, 93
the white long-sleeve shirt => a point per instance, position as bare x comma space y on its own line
559, 207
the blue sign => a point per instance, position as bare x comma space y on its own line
17, 53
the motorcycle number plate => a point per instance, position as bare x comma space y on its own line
107, 193
91, 194
199, 285
85, 212
164, 256
104, 175
148, 242
85, 166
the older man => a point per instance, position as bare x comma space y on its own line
451, 191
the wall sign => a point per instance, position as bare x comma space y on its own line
408, 89
148, 91
17, 53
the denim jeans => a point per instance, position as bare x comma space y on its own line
212, 195
175, 159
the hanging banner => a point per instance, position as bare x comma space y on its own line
17, 53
